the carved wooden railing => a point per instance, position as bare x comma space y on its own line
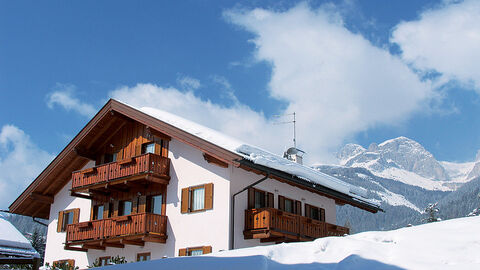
281, 221
147, 163
135, 224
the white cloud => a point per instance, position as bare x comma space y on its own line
337, 81
20, 162
445, 39
238, 120
188, 83
64, 97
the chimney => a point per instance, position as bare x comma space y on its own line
294, 154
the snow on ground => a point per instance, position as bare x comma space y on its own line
451, 244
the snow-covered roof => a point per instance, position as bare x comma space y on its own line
259, 156
13, 243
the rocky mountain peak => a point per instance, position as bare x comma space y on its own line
402, 153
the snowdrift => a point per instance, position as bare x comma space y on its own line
451, 244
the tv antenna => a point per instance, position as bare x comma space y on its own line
294, 121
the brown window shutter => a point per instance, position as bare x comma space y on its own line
158, 149
270, 199
116, 207
92, 211
322, 214
76, 215
60, 221
106, 209
207, 249
135, 205
251, 198
281, 202
182, 252
71, 263
185, 203
209, 196
138, 150
307, 210
298, 208
142, 204
164, 148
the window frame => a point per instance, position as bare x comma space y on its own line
320, 211
121, 207
106, 259
149, 204
187, 198
62, 222
96, 211
144, 255
187, 252
269, 198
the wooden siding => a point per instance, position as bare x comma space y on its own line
131, 225
144, 164
274, 225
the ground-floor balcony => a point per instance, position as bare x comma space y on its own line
146, 168
135, 229
273, 225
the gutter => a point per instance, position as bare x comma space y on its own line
328, 191
232, 243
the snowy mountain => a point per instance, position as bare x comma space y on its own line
407, 161
451, 244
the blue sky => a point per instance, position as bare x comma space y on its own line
354, 71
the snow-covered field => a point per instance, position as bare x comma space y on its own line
451, 244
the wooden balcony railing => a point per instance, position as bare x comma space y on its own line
144, 164
125, 226
275, 225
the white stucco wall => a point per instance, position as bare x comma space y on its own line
241, 178
206, 228
55, 240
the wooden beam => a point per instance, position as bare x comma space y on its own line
108, 244
132, 242
75, 248
214, 160
46, 199
80, 195
88, 246
99, 192
118, 188
81, 152
154, 239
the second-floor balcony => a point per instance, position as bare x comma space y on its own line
273, 225
135, 229
147, 167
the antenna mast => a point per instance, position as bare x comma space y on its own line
289, 122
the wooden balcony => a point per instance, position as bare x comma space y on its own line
147, 167
273, 225
135, 229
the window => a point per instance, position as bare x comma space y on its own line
258, 198
98, 212
289, 205
148, 148
110, 158
64, 264
67, 217
143, 257
124, 208
314, 212
103, 261
195, 251
197, 198
155, 204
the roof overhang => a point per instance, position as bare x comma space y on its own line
36, 198
340, 198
